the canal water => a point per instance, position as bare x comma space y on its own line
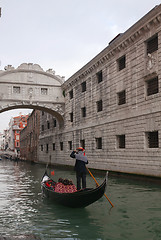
23, 210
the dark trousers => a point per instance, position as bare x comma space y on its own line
81, 175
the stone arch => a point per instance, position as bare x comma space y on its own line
29, 86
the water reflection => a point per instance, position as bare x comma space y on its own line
136, 215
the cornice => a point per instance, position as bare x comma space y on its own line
125, 40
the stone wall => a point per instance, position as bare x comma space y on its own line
113, 105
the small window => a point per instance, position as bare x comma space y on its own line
70, 145
83, 85
122, 97
17, 144
121, 141
42, 128
16, 89
71, 116
71, 94
44, 91
99, 106
121, 63
152, 44
99, 143
61, 146
42, 113
47, 147
48, 125
152, 86
82, 143
53, 146
99, 76
54, 122
83, 111
152, 139
42, 148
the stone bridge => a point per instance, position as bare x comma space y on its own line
29, 86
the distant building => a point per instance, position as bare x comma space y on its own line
29, 137
19, 123
1, 141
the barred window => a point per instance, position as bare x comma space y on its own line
122, 97
48, 125
99, 76
121, 141
71, 116
83, 85
42, 148
70, 145
82, 143
99, 106
61, 146
83, 111
152, 139
44, 91
99, 143
152, 44
71, 94
16, 89
53, 146
54, 122
152, 86
47, 148
121, 63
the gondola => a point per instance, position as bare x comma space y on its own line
75, 199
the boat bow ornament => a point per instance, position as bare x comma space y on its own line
29, 86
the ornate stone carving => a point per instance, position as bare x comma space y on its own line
151, 62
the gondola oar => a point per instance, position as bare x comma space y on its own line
98, 185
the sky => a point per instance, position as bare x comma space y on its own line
62, 34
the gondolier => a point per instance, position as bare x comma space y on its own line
80, 168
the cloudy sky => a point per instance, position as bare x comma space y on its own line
62, 34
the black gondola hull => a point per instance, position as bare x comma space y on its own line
77, 199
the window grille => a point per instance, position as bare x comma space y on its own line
152, 45
83, 85
70, 145
152, 86
16, 89
153, 140
122, 63
82, 143
99, 106
44, 91
54, 122
122, 97
61, 146
53, 146
47, 147
71, 94
99, 77
99, 143
71, 116
121, 141
83, 110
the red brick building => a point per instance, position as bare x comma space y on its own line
19, 123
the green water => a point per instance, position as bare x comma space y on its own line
23, 210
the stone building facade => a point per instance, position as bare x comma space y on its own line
113, 106
29, 137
